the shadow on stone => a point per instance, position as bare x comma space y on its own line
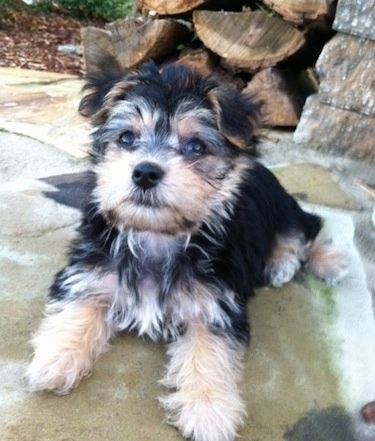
332, 424
71, 188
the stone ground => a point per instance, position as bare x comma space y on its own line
309, 368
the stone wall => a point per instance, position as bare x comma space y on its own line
341, 116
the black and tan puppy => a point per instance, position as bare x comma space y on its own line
181, 224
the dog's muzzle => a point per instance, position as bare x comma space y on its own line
147, 175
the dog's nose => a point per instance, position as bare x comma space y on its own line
147, 174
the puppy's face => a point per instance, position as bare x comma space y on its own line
167, 152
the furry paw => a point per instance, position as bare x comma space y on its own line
58, 373
68, 341
205, 417
280, 272
326, 262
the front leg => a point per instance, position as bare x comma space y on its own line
204, 369
73, 333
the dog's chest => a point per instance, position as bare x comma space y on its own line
144, 298
158, 294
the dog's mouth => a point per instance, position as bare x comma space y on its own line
147, 210
146, 198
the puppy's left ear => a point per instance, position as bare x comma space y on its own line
238, 116
96, 88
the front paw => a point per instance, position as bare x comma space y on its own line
279, 273
69, 339
58, 372
205, 415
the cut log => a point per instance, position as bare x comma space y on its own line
346, 68
356, 17
247, 40
98, 51
169, 7
206, 63
336, 130
135, 41
299, 11
199, 60
282, 94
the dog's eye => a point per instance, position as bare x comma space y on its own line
194, 147
127, 139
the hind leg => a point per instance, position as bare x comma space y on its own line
291, 252
325, 261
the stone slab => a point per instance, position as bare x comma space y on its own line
309, 182
44, 106
356, 17
336, 131
346, 68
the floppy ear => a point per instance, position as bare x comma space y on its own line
103, 89
96, 88
237, 116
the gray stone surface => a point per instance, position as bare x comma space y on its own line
355, 17
43, 106
336, 131
309, 365
346, 69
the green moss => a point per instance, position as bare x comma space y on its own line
325, 293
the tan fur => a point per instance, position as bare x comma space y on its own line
204, 370
319, 257
176, 207
190, 124
111, 98
68, 341
285, 259
325, 261
115, 189
214, 97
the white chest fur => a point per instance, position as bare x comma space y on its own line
146, 308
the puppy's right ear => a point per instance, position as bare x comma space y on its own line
237, 117
96, 88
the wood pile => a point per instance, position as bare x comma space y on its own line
266, 48
341, 116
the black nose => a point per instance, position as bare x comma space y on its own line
146, 175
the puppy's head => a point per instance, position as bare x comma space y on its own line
168, 147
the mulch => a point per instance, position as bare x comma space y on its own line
30, 40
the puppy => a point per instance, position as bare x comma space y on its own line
182, 223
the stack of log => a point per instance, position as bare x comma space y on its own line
267, 48
341, 116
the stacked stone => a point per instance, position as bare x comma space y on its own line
341, 116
